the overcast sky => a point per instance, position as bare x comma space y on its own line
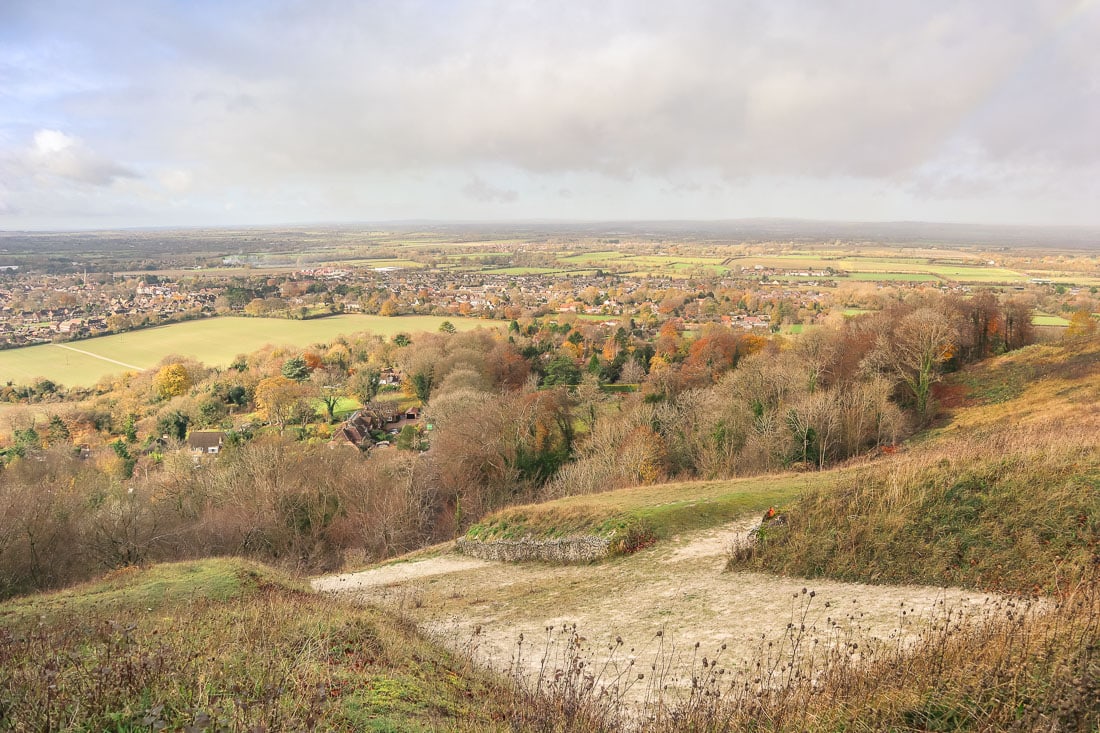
202, 112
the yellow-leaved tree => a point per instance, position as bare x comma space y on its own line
1081, 325
279, 398
171, 381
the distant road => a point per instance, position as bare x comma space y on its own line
97, 356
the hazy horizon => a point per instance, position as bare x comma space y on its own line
551, 223
168, 115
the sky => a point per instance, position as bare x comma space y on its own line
220, 112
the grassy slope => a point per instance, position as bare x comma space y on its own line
657, 512
225, 643
1005, 495
213, 341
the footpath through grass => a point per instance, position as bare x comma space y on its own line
643, 513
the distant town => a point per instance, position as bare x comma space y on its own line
766, 285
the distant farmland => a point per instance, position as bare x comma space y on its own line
213, 341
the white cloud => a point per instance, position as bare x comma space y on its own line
58, 154
176, 181
51, 142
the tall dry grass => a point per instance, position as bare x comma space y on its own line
1014, 508
1010, 665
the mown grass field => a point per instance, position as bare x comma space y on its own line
213, 341
590, 257
1043, 319
524, 270
892, 276
380, 263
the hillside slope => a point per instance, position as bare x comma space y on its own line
1001, 495
225, 645
1005, 495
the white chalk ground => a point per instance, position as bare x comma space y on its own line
397, 573
679, 588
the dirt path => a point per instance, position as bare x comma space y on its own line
397, 573
660, 602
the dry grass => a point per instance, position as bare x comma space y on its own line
1015, 666
1005, 496
255, 653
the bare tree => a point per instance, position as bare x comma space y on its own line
331, 383
913, 351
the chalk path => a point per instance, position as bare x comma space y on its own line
102, 358
661, 601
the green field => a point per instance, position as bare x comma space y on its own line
593, 257
1042, 319
662, 261
378, 263
213, 341
524, 270
898, 276
913, 269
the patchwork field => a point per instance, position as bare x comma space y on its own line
213, 341
874, 268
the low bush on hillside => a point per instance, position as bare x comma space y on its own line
1005, 496
63, 519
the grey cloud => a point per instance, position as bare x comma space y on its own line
624, 90
874, 95
479, 190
